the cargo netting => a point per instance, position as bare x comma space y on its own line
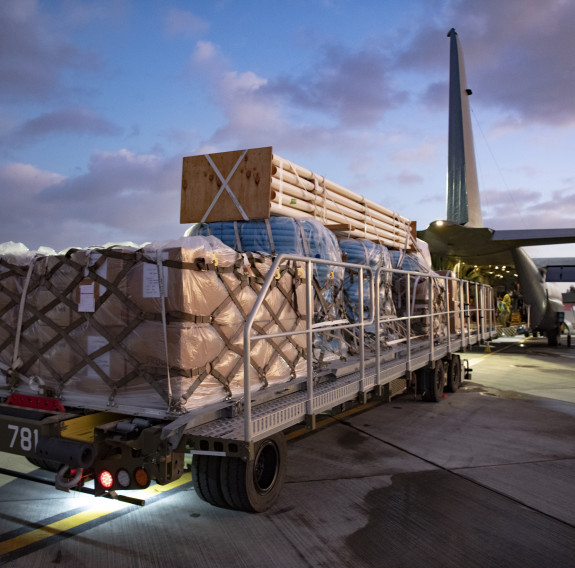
301, 237
158, 328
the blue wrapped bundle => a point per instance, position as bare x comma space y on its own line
360, 251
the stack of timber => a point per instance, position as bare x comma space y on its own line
256, 183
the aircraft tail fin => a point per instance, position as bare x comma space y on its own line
463, 205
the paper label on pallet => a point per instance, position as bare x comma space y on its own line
87, 302
150, 281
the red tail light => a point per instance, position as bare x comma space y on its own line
106, 479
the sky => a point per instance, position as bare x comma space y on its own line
100, 101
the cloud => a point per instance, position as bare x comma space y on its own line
250, 115
124, 196
503, 44
353, 86
422, 153
20, 212
520, 209
406, 178
33, 54
23, 180
71, 121
346, 99
184, 23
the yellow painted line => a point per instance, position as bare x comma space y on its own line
79, 519
58, 527
484, 356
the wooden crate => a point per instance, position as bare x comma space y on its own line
208, 195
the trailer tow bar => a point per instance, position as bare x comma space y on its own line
87, 490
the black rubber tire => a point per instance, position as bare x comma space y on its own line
554, 337
206, 479
453, 374
254, 486
420, 381
434, 383
48, 465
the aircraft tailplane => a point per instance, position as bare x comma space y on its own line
463, 205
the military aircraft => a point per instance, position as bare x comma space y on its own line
462, 238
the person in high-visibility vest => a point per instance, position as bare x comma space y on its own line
507, 305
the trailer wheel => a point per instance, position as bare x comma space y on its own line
453, 374
434, 382
254, 486
206, 479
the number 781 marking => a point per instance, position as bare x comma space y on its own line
24, 438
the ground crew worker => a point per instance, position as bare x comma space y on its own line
507, 305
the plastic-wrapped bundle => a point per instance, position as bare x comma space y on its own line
360, 251
302, 237
419, 292
156, 329
278, 235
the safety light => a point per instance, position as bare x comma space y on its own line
123, 478
141, 478
106, 479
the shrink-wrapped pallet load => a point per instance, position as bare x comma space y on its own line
377, 257
300, 237
419, 292
154, 330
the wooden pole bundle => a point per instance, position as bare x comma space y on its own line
335, 188
254, 183
325, 208
296, 189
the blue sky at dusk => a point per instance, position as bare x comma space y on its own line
101, 100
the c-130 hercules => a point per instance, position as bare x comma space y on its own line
462, 236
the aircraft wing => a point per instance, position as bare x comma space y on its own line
535, 237
487, 246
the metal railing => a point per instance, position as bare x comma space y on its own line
468, 318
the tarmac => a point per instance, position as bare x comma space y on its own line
484, 478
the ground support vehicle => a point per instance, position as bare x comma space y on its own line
238, 446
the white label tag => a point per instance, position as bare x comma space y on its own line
87, 301
150, 283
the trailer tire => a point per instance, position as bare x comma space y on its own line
253, 486
206, 479
434, 382
453, 374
